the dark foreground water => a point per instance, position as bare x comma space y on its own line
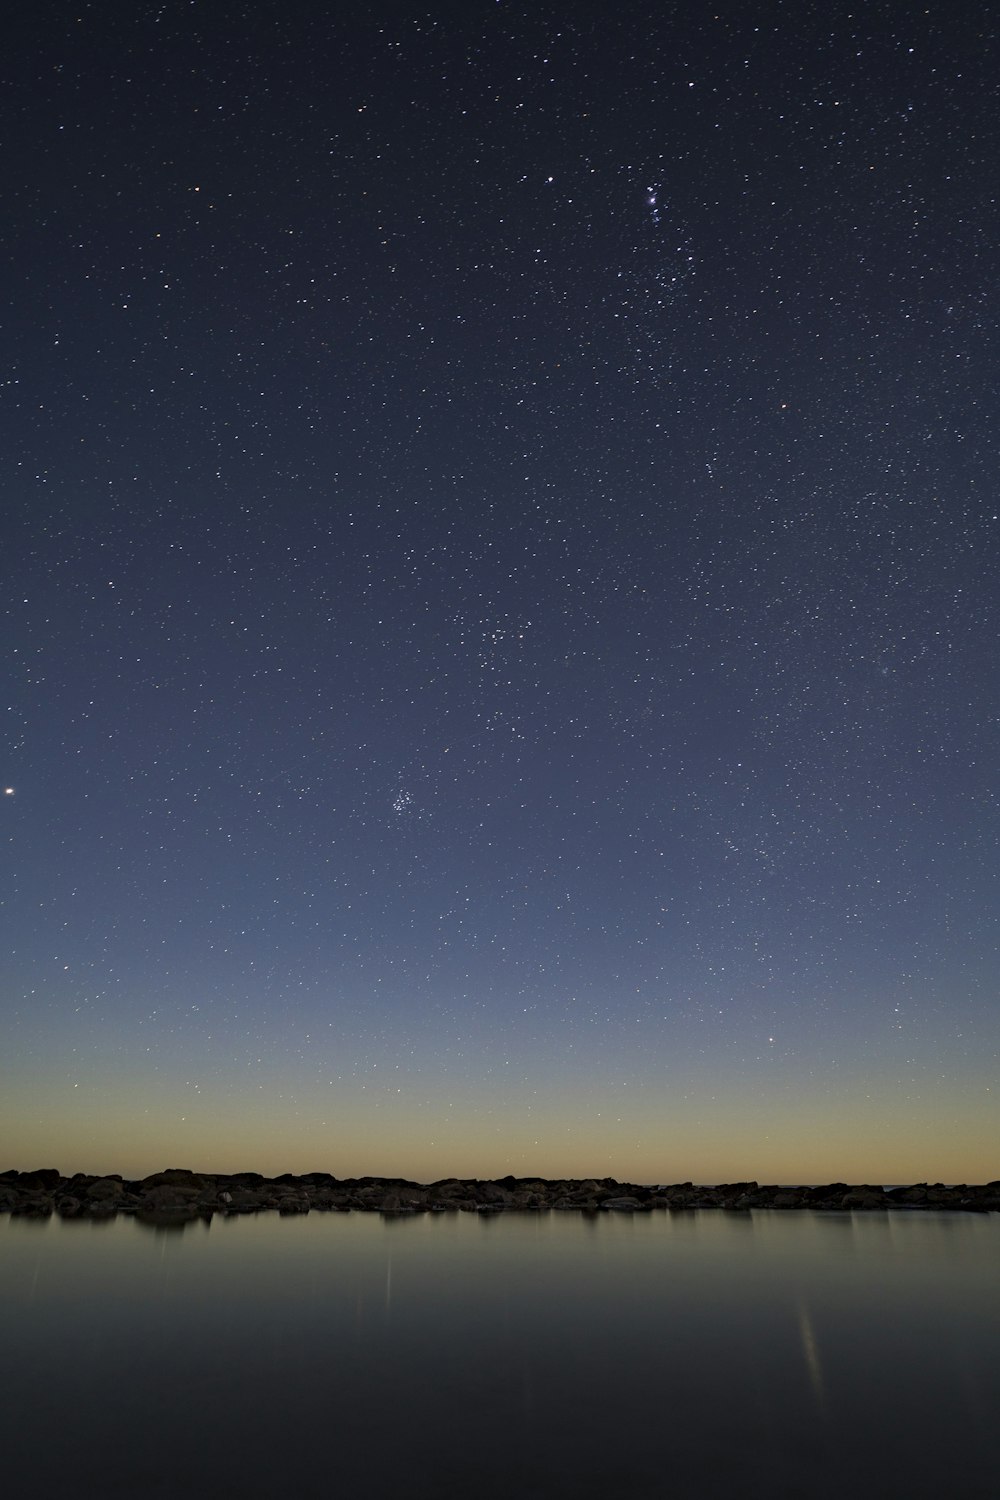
551, 1355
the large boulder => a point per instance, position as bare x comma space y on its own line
448, 1187
984, 1198
731, 1192
829, 1195
169, 1197
674, 1195
493, 1194
291, 1201
865, 1197
45, 1179
34, 1205
322, 1181
174, 1177
104, 1188
914, 1196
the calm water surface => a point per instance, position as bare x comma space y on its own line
526, 1356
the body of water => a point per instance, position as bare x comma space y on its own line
545, 1356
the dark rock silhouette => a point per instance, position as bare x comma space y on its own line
178, 1196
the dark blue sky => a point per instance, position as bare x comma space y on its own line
502, 590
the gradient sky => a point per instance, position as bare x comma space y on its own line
501, 589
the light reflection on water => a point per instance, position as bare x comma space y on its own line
532, 1355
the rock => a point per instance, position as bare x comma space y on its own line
911, 1197
864, 1197
174, 1177
321, 1181
104, 1188
789, 1198
44, 1180
761, 1197
34, 1206
177, 1195
984, 1198
244, 1200
679, 1195
329, 1202
495, 1195
169, 1197
945, 1197
448, 1187
729, 1192
829, 1196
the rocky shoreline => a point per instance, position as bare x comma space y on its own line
178, 1195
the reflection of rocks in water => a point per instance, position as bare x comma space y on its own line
170, 1204
177, 1197
172, 1219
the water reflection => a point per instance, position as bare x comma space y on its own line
160, 1224
810, 1351
690, 1354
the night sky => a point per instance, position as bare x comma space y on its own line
501, 590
